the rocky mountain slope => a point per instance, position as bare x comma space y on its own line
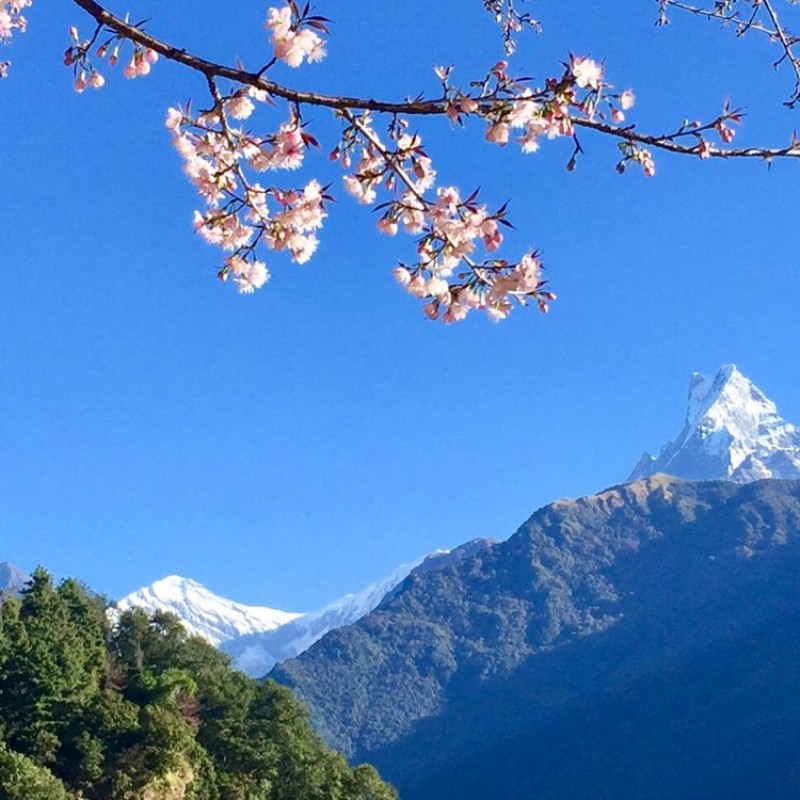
732, 432
638, 643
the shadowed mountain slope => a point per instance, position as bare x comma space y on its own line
638, 643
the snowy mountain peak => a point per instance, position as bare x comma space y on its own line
204, 613
730, 400
732, 431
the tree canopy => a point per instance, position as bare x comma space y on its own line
106, 706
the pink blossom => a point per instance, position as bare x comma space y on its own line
292, 46
174, 119
587, 73
387, 226
704, 149
239, 107
497, 133
401, 275
627, 99
248, 275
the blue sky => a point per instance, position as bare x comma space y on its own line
288, 447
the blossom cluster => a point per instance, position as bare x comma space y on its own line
509, 104
294, 34
78, 56
457, 268
11, 19
449, 230
241, 213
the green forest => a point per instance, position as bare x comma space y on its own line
106, 706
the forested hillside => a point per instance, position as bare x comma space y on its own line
640, 643
137, 710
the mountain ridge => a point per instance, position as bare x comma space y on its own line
462, 678
258, 637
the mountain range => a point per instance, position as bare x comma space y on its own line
203, 613
732, 431
639, 643
258, 637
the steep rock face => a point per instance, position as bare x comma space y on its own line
12, 579
607, 643
732, 432
258, 653
203, 613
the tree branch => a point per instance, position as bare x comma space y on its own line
437, 107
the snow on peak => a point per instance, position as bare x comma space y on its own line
257, 654
732, 431
204, 613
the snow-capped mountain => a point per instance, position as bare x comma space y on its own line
257, 653
204, 613
257, 637
732, 432
12, 579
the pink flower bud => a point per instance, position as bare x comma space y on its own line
80, 82
97, 81
73, 33
704, 149
387, 226
431, 310
130, 70
151, 55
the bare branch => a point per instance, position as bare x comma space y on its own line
762, 18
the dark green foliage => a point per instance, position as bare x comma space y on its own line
639, 643
21, 779
139, 711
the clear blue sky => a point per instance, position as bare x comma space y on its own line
288, 447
